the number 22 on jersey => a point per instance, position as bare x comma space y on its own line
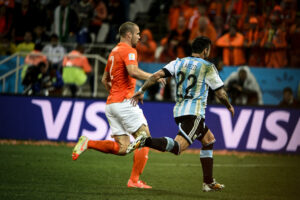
192, 80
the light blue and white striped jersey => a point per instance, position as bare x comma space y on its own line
193, 77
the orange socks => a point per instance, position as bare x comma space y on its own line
105, 146
139, 161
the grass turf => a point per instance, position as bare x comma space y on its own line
48, 172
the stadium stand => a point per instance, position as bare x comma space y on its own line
245, 32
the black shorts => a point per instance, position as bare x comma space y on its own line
191, 127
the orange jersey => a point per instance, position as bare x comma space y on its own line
76, 59
123, 85
35, 57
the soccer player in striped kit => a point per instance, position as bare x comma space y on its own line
193, 75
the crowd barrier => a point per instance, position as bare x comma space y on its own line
259, 129
271, 81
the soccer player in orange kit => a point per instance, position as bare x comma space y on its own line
119, 79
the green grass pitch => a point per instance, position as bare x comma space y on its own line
48, 172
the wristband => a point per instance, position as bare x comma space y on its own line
140, 90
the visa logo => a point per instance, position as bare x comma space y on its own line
233, 134
54, 124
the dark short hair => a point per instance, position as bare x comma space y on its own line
54, 36
38, 46
126, 27
288, 89
200, 43
80, 48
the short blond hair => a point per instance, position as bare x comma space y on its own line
126, 27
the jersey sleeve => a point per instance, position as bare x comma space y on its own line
130, 57
169, 69
86, 65
212, 78
108, 63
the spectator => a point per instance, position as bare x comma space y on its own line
6, 19
35, 57
294, 35
275, 44
232, 44
216, 8
178, 39
52, 83
235, 7
289, 12
26, 46
219, 25
288, 99
34, 71
267, 7
76, 67
252, 44
146, 47
204, 28
41, 81
243, 88
24, 20
166, 51
32, 78
190, 9
278, 12
8, 3
175, 11
7, 47
39, 35
55, 52
244, 21
65, 23
47, 9
84, 10
194, 19
98, 26
115, 17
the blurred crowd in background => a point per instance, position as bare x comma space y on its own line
244, 32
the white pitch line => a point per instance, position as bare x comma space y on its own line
220, 165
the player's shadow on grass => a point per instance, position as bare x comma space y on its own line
151, 193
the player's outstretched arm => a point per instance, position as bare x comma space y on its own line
222, 96
137, 73
157, 76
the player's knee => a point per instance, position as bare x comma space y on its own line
142, 130
208, 139
208, 146
122, 150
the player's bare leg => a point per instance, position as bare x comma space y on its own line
183, 143
140, 158
140, 136
123, 141
206, 159
117, 147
